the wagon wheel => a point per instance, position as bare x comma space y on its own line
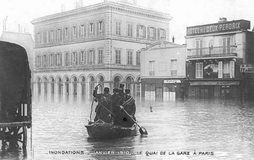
15, 136
2, 137
22, 136
11, 137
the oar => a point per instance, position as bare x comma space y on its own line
91, 110
142, 130
92, 106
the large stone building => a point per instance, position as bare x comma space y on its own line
163, 71
76, 49
215, 54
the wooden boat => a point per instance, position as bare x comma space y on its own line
103, 130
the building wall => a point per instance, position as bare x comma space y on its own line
88, 32
214, 59
162, 58
163, 80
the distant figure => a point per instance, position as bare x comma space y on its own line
151, 109
103, 108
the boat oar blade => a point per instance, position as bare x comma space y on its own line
143, 131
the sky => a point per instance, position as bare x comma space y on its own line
184, 12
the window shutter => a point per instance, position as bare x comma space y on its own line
144, 32
220, 69
158, 34
232, 69
148, 32
93, 56
137, 31
154, 33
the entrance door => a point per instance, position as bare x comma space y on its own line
203, 93
158, 94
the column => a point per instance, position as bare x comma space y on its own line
56, 93
35, 89
87, 90
64, 91
48, 91
42, 90
79, 91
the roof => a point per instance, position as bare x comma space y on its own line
107, 4
163, 45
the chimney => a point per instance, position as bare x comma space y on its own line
222, 20
62, 8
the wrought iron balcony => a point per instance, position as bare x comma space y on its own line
216, 52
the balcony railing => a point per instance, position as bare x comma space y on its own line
222, 51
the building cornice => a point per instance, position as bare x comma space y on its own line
113, 6
89, 68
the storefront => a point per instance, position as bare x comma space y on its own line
160, 89
214, 89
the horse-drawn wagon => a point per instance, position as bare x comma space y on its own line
15, 96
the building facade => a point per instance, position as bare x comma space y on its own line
77, 49
215, 53
163, 71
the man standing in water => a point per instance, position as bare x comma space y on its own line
103, 108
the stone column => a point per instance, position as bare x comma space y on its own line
64, 91
48, 91
56, 93
71, 89
87, 90
35, 89
79, 90
42, 90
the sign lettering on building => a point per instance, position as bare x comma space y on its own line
219, 27
172, 81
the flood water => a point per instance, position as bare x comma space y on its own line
213, 129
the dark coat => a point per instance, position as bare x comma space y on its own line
103, 108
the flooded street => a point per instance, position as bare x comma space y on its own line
225, 130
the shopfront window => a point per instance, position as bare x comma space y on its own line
199, 70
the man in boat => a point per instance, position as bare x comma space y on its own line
121, 89
128, 106
122, 102
103, 108
117, 100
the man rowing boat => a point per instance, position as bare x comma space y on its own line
115, 106
104, 104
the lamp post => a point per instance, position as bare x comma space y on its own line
243, 69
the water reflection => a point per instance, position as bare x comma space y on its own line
222, 127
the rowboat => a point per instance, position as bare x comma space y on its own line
103, 130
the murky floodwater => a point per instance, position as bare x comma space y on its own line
212, 129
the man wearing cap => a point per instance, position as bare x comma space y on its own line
117, 100
104, 105
130, 107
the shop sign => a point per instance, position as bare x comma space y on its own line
237, 25
215, 83
172, 81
